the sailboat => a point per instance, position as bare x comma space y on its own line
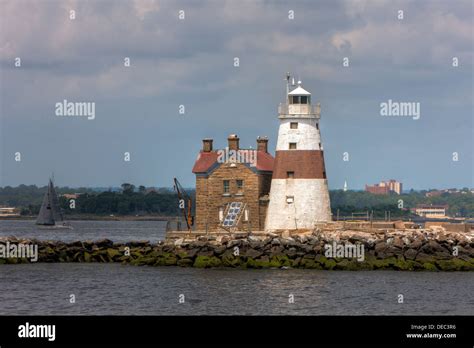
50, 214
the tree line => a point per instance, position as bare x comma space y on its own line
132, 200
460, 204
129, 200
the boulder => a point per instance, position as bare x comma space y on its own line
191, 253
416, 244
276, 241
185, 262
307, 263
410, 254
429, 267
104, 243
398, 242
454, 265
205, 253
207, 262
229, 259
380, 247
291, 252
423, 257
234, 243
253, 253
179, 241
219, 249
113, 253
287, 241
277, 249
137, 244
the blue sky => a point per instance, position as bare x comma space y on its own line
190, 62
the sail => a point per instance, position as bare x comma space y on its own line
57, 215
45, 216
50, 212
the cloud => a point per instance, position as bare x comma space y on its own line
191, 61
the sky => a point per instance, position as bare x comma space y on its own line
400, 56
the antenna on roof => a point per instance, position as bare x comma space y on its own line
287, 83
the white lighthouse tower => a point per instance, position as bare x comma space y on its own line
299, 196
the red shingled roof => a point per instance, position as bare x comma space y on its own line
264, 161
206, 160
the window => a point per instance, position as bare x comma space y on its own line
290, 199
294, 125
290, 175
299, 99
292, 146
240, 185
226, 186
317, 125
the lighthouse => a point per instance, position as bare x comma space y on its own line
299, 196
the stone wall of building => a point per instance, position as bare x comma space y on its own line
201, 203
210, 195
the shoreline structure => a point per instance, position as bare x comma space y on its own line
395, 248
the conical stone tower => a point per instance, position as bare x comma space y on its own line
299, 196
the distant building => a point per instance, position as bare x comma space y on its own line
385, 187
431, 211
9, 211
69, 196
345, 186
433, 193
451, 191
232, 186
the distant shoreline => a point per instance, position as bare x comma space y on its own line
99, 218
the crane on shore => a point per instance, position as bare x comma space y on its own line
185, 204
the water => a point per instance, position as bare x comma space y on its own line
118, 231
120, 289
116, 289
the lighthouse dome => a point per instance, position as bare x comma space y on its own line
299, 96
299, 91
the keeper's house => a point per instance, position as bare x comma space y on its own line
232, 186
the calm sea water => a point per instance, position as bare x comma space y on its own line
122, 289
118, 231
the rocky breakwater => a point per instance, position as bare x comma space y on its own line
432, 249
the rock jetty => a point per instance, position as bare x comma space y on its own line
433, 249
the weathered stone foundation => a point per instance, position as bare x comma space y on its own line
407, 250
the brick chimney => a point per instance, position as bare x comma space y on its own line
207, 145
262, 144
233, 141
